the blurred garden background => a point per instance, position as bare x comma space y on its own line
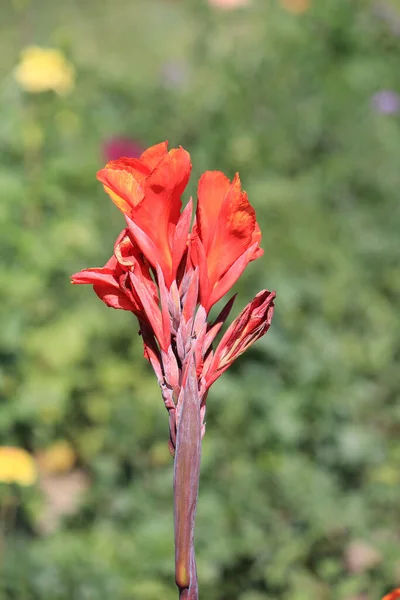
300, 485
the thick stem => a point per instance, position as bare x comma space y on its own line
186, 485
192, 592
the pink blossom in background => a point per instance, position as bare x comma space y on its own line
228, 4
115, 147
386, 102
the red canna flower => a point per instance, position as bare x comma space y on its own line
148, 191
226, 235
169, 278
394, 595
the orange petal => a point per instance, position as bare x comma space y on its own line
213, 187
161, 205
148, 191
228, 279
163, 189
153, 155
234, 231
133, 165
122, 187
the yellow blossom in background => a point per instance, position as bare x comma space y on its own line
296, 7
17, 466
60, 457
44, 69
228, 4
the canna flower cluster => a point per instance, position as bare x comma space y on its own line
170, 274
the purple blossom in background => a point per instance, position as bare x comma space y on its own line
115, 147
386, 102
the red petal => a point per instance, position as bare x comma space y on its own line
127, 254
107, 287
233, 233
163, 190
198, 259
113, 298
124, 188
165, 317
181, 236
150, 250
161, 206
123, 179
212, 189
152, 156
151, 308
230, 278
132, 165
101, 275
149, 192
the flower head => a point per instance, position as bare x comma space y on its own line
17, 466
170, 277
44, 69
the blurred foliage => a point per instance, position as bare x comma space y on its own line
301, 457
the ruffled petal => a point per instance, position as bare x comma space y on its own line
212, 189
152, 156
233, 233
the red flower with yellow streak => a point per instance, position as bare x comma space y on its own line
170, 276
148, 191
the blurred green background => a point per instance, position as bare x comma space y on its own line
300, 486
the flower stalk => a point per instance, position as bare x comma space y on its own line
186, 485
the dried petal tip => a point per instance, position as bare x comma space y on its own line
252, 323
